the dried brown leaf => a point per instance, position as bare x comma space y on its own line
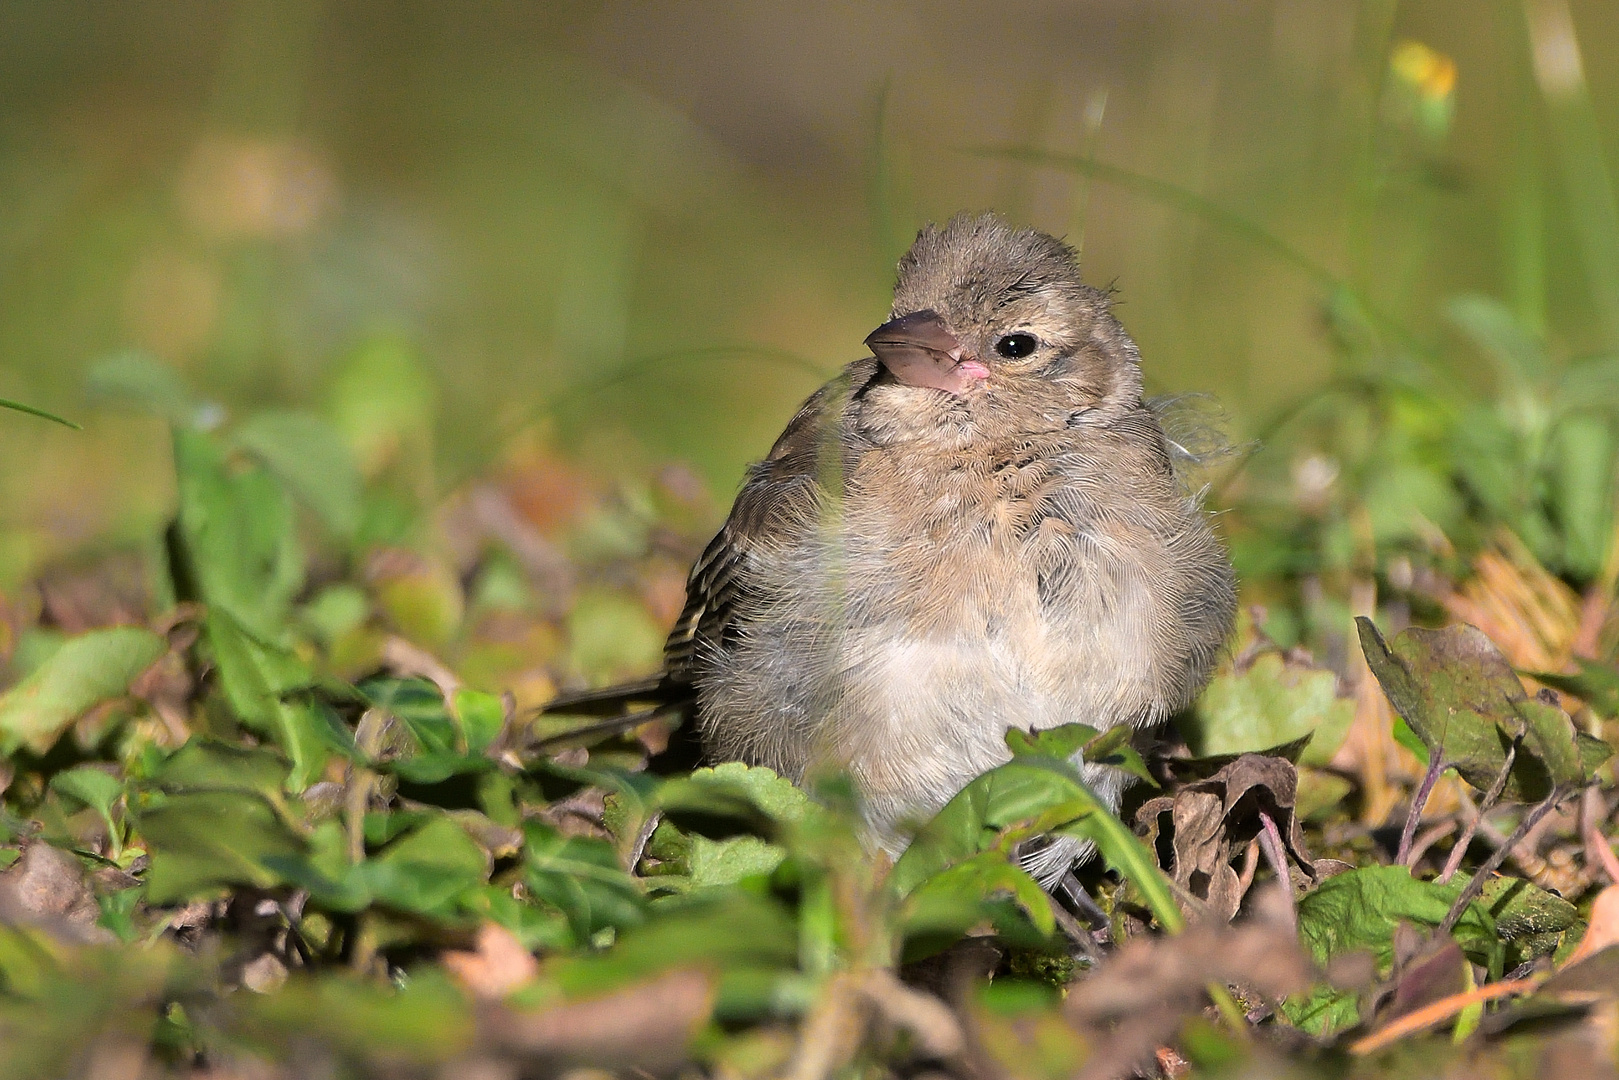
1136, 1000
47, 885
496, 966
647, 1025
1215, 817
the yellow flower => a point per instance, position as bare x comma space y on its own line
1431, 74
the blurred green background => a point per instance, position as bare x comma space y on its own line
1382, 235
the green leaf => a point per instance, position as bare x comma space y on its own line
95, 788
420, 705
1061, 742
256, 676
1066, 742
581, 877
959, 897
238, 550
1581, 467
118, 912
17, 406
736, 790
715, 863
435, 768
253, 673
140, 381
1519, 356
332, 881
1124, 852
210, 765
1555, 741
1026, 797
1033, 794
1271, 703
311, 460
1112, 748
1595, 683
1358, 911
85, 671
1521, 909
428, 870
1463, 700
721, 931
203, 841
481, 717
427, 1021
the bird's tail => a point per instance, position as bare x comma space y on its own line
608, 700
615, 708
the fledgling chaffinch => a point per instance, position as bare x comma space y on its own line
978, 527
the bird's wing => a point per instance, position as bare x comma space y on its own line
781, 496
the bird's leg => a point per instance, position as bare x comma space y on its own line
1070, 887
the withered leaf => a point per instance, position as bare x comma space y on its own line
1464, 701
1217, 816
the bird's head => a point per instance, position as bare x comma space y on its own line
981, 307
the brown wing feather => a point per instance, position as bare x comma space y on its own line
779, 497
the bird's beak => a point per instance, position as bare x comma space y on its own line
918, 350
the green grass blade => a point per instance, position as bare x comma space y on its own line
888, 195
1587, 182
1190, 202
31, 411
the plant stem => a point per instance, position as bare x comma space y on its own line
1419, 802
1490, 797
1476, 885
1228, 1009
1270, 842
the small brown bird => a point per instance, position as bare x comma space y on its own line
977, 528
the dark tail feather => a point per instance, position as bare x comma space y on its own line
610, 726
612, 699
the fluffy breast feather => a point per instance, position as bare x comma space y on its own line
1028, 582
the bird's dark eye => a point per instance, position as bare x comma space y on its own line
1013, 346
